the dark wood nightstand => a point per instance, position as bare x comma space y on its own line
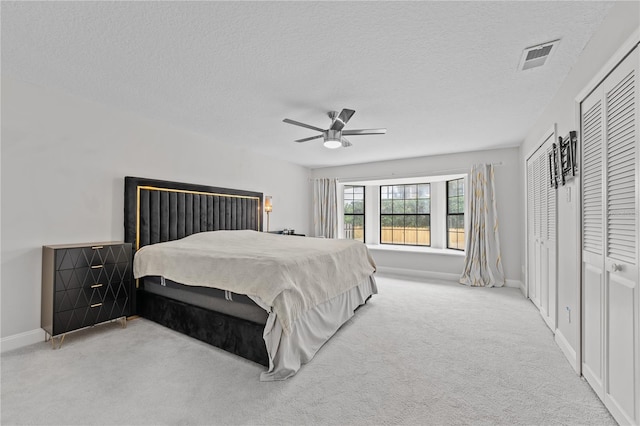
84, 285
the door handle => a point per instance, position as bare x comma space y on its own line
615, 267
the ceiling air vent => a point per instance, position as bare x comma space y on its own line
536, 56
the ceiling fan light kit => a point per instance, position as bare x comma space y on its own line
333, 136
333, 139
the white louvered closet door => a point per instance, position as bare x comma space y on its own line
532, 225
549, 244
611, 328
541, 241
592, 252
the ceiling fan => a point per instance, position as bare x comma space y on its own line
334, 135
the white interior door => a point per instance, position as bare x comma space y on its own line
549, 265
541, 232
611, 299
621, 234
592, 242
531, 233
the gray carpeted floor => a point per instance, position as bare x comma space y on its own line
417, 353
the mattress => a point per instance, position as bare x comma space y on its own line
300, 272
226, 302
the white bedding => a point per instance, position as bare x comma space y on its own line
287, 275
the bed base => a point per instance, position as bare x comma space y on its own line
232, 334
156, 211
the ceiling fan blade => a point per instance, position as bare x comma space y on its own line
365, 132
346, 143
310, 139
342, 119
308, 126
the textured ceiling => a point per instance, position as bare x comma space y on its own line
440, 76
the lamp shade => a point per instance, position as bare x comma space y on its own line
268, 207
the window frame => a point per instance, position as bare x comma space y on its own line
404, 214
363, 214
456, 214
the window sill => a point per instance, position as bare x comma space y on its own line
416, 249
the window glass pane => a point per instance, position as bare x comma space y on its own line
353, 199
386, 206
452, 205
455, 214
452, 187
411, 192
411, 206
398, 206
410, 236
422, 221
358, 207
385, 192
386, 229
424, 237
452, 241
423, 206
404, 214
348, 206
398, 221
424, 190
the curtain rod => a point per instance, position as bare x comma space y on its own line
413, 175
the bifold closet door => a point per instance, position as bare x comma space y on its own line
541, 240
611, 299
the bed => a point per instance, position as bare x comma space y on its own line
277, 308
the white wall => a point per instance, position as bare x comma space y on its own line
508, 194
617, 27
63, 163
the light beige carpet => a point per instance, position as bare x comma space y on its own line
417, 353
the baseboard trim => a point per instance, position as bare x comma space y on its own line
514, 284
445, 276
414, 273
22, 339
567, 350
593, 380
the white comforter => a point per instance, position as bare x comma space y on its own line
288, 274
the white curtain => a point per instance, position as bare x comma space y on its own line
482, 263
325, 208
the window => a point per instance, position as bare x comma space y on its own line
455, 214
354, 212
405, 214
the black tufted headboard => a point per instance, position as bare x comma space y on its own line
156, 211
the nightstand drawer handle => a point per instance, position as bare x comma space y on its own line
96, 247
96, 285
95, 305
97, 266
